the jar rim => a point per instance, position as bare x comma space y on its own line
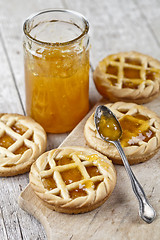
84, 32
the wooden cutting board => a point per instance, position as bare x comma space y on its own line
117, 218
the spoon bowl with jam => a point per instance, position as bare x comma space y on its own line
109, 129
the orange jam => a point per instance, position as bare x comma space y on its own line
18, 128
21, 149
134, 129
94, 158
49, 183
81, 190
71, 175
78, 192
109, 128
57, 84
63, 161
134, 84
113, 81
96, 184
132, 75
47, 167
74, 175
93, 171
133, 61
113, 70
6, 141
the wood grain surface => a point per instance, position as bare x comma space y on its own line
114, 26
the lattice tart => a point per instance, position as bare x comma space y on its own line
22, 140
73, 179
141, 133
129, 77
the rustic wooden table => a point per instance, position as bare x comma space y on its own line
114, 26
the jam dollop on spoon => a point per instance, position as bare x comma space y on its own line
109, 129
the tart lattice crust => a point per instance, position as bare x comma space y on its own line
22, 140
140, 152
129, 77
79, 185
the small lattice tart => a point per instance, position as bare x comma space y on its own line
141, 133
22, 140
73, 179
128, 77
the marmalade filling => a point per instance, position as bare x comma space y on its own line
132, 77
6, 141
74, 175
134, 129
21, 149
20, 129
71, 175
49, 183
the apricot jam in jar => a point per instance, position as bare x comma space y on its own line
56, 57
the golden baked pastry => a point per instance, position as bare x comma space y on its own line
141, 133
129, 77
73, 179
22, 140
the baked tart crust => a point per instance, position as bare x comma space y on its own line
139, 147
22, 140
72, 179
129, 77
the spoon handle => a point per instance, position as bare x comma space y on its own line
146, 211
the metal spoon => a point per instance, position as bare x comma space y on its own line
146, 211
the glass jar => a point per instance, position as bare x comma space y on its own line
56, 58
